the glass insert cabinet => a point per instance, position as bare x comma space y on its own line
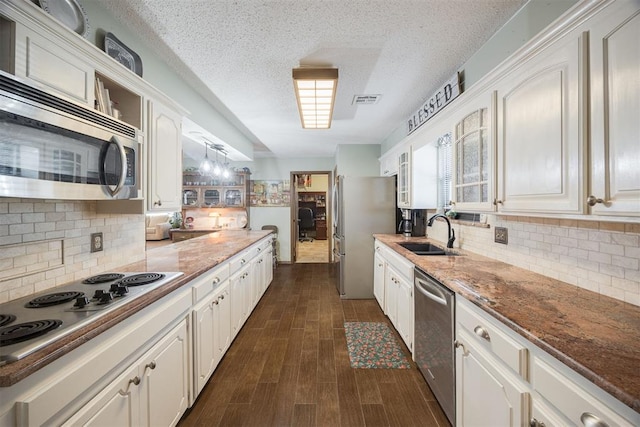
206, 192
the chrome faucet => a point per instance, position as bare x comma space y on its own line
452, 234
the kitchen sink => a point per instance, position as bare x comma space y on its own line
424, 248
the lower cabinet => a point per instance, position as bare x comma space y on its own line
240, 288
504, 380
393, 289
154, 391
487, 394
212, 334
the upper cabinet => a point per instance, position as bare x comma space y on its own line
473, 178
541, 114
389, 162
615, 109
164, 149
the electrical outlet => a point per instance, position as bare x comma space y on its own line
501, 235
96, 242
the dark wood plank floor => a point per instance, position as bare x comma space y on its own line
289, 365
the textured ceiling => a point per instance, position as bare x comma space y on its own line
243, 51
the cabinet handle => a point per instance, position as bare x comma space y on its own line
135, 380
452, 203
221, 297
158, 203
458, 344
215, 301
151, 365
593, 200
380, 265
243, 261
536, 423
590, 420
482, 332
497, 202
216, 281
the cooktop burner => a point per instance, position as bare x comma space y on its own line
141, 279
102, 278
53, 299
5, 319
75, 305
13, 334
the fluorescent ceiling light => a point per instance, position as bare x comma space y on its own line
316, 93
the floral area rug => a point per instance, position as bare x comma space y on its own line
372, 345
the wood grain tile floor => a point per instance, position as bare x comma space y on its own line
289, 365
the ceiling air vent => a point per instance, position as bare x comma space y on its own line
366, 99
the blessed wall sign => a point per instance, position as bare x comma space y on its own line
447, 93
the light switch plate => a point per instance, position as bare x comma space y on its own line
96, 242
501, 235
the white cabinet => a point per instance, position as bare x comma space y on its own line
154, 391
164, 161
52, 66
404, 176
615, 105
378, 277
473, 177
541, 114
240, 289
212, 333
487, 394
389, 162
503, 379
393, 279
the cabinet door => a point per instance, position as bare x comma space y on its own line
164, 186
378, 279
615, 103
222, 321
391, 298
404, 185
204, 346
405, 312
48, 64
541, 111
116, 405
165, 372
239, 294
486, 394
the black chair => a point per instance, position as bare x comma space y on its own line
306, 223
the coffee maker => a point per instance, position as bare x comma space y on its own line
413, 223
405, 225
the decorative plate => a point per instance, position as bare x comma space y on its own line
69, 12
121, 53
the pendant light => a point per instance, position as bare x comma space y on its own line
225, 168
216, 166
206, 167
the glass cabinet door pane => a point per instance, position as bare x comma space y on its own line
471, 122
190, 197
471, 159
233, 198
211, 197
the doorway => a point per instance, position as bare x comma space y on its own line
311, 221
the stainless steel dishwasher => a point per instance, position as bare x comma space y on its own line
434, 339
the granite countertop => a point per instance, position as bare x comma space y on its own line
595, 335
192, 257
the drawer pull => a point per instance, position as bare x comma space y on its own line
135, 380
536, 423
590, 420
481, 332
151, 365
458, 344
221, 297
216, 280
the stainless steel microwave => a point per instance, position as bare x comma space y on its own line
56, 149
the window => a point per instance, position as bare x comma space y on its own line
444, 171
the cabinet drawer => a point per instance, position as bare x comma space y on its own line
573, 400
400, 263
488, 334
239, 261
209, 281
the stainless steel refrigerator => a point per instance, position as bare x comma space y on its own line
363, 206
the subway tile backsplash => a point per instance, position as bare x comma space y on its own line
46, 243
603, 257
